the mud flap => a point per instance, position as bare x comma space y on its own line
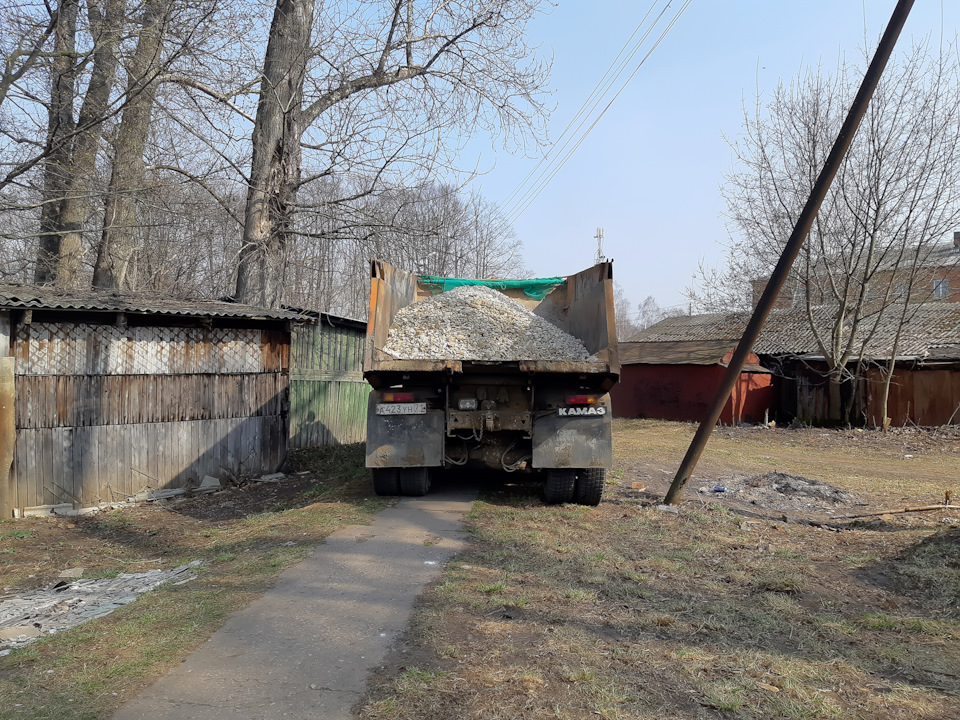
404, 440
577, 442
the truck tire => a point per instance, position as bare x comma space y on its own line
589, 487
558, 487
415, 481
386, 481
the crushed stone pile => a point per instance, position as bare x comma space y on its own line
474, 322
800, 486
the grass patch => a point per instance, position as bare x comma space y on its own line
631, 612
98, 665
930, 569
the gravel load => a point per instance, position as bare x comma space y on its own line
474, 322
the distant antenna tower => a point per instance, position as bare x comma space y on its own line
599, 238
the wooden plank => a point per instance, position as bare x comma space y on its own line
93, 480
71, 484
46, 467
32, 495
188, 453
80, 449
56, 480
5, 339
20, 471
108, 460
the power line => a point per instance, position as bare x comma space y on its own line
583, 107
532, 192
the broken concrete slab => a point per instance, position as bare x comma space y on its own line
19, 632
46, 510
208, 484
71, 602
76, 572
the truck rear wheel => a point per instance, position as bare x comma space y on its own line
589, 487
415, 481
386, 481
558, 487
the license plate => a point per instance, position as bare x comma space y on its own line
415, 408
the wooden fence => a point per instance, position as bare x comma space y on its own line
328, 395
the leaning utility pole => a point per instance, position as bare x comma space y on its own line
792, 249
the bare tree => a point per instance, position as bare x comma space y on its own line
896, 196
116, 247
650, 313
372, 86
623, 311
75, 145
24, 35
432, 229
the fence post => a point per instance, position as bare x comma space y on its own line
8, 436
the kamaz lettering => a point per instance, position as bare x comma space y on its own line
571, 411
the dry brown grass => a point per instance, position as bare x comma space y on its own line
627, 611
244, 538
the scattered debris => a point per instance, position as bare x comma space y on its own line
273, 477
780, 491
25, 617
883, 513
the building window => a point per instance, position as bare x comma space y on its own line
941, 289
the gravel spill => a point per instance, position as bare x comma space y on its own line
474, 322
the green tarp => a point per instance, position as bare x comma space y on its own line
537, 288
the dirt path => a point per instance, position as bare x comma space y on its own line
304, 648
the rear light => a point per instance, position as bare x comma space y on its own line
398, 397
467, 403
582, 399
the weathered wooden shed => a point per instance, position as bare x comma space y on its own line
678, 380
116, 395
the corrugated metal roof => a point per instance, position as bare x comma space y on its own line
708, 352
32, 297
933, 329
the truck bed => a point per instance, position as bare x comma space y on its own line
581, 305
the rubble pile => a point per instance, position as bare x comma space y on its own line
474, 322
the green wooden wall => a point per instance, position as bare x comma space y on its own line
328, 395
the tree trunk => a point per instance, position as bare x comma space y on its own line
834, 400
60, 126
117, 242
275, 169
107, 29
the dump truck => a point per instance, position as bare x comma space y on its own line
547, 418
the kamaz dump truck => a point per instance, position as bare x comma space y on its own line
550, 418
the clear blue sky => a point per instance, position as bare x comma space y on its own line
649, 173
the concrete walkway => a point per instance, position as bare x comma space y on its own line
304, 649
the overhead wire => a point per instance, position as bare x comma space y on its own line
588, 107
601, 83
531, 193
